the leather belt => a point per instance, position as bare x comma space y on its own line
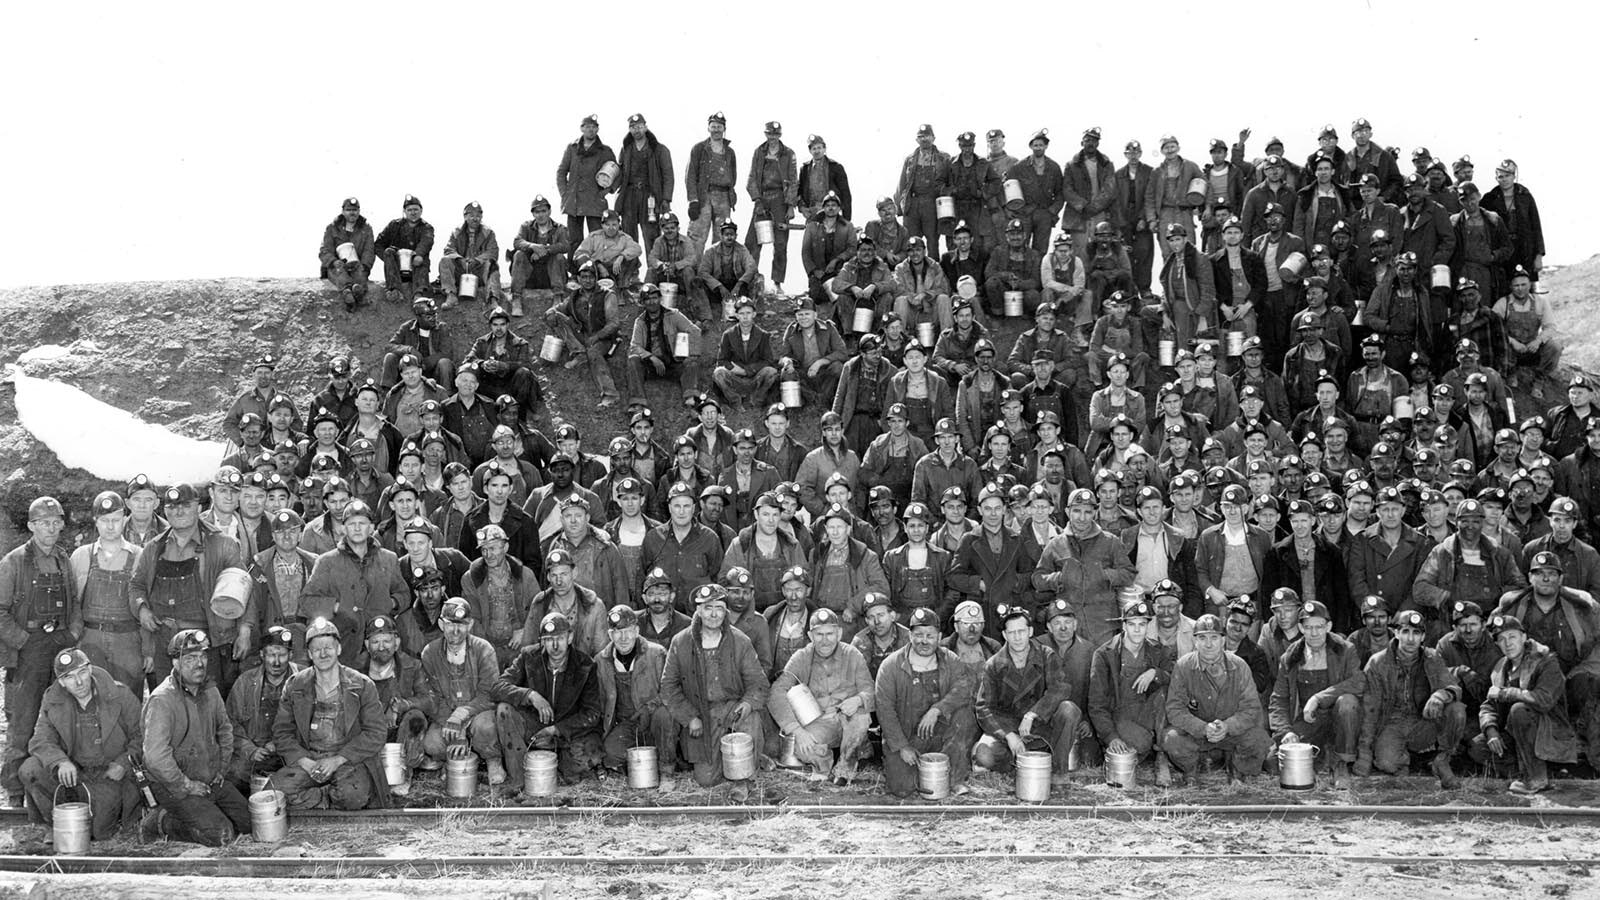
116, 627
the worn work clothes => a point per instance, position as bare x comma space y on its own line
1088, 571
355, 716
573, 693
1115, 708
1202, 694
905, 696
91, 737
1392, 703
708, 685
350, 589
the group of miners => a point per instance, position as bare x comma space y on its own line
1345, 538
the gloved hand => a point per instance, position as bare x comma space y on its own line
694, 210
1434, 708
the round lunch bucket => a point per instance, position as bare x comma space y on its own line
269, 817
933, 776
643, 773
738, 756
862, 323
69, 823
1292, 265
1033, 776
1013, 304
1013, 189
233, 589
539, 773
764, 233
469, 285
946, 207
606, 174
789, 392
669, 295
806, 708
1121, 769
551, 348
461, 776
405, 259
1297, 766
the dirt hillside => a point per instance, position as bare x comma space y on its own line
177, 353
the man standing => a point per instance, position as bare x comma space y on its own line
354, 581
714, 686
330, 729
924, 701
174, 579
924, 177
1042, 183
187, 741
1130, 211
645, 183
87, 732
551, 690
348, 253
1089, 190
101, 571
410, 233
1412, 704
1466, 566
1212, 704
582, 197
774, 189
820, 176
836, 676
709, 181
975, 187
1086, 566
1169, 202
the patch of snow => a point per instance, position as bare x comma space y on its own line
44, 353
106, 441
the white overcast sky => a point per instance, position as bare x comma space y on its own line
171, 140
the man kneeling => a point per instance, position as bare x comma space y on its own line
1524, 714
330, 729
836, 675
1023, 692
551, 690
634, 714
1212, 704
924, 702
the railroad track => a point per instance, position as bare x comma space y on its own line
326, 867
533, 815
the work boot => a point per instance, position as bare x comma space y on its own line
450, 301
1448, 779
1163, 771
1341, 774
151, 825
1537, 779
739, 791
516, 308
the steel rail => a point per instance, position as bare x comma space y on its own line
512, 815
324, 867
